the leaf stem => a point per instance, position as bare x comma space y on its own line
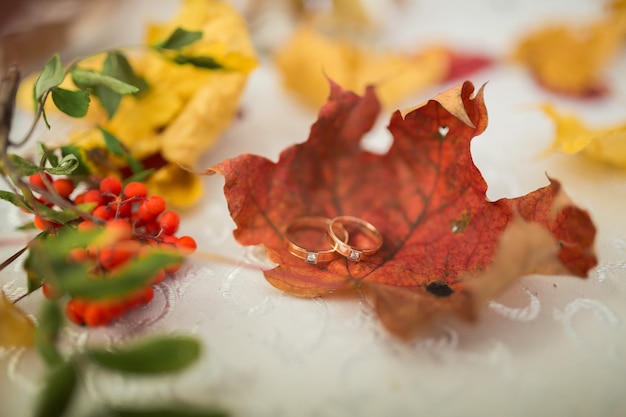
33, 126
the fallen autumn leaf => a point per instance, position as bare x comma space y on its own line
573, 136
446, 248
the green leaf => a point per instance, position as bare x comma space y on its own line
163, 354
109, 99
65, 166
140, 176
58, 391
113, 144
198, 61
179, 38
51, 76
34, 279
36, 101
136, 167
26, 227
117, 148
116, 65
88, 79
46, 154
72, 103
62, 216
58, 216
15, 199
47, 332
82, 168
45, 118
167, 412
23, 167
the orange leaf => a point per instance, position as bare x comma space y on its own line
446, 248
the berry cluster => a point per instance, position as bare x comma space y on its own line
133, 222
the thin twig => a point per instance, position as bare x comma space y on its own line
13, 257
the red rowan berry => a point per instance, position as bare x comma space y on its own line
63, 186
159, 277
43, 224
112, 257
135, 189
140, 298
77, 255
187, 244
146, 295
115, 308
122, 209
169, 222
151, 208
50, 292
79, 199
86, 226
143, 213
137, 220
169, 242
103, 212
37, 182
97, 314
152, 228
75, 310
111, 185
94, 196
40, 223
119, 228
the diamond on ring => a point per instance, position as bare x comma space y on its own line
311, 257
355, 255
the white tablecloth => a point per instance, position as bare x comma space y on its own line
548, 346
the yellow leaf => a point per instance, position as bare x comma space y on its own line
572, 136
309, 57
571, 59
187, 108
16, 329
351, 11
178, 186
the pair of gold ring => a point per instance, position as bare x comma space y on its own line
338, 236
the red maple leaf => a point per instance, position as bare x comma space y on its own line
446, 248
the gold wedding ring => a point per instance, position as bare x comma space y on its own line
318, 224
363, 227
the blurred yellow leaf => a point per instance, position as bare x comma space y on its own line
309, 56
572, 136
350, 11
16, 329
178, 186
571, 59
